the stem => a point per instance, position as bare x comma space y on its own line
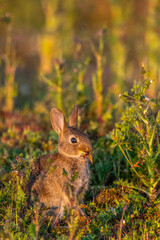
130, 162
16, 215
139, 131
144, 120
17, 180
140, 189
121, 222
59, 87
155, 184
151, 139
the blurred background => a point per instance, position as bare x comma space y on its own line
58, 52
65, 52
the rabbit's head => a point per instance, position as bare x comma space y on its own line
72, 141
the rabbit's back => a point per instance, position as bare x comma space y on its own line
41, 183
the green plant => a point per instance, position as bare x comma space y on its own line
97, 77
137, 136
108, 164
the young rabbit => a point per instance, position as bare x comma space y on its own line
59, 181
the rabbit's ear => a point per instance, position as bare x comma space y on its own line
73, 120
57, 120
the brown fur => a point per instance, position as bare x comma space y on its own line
60, 180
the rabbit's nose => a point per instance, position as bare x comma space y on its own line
85, 149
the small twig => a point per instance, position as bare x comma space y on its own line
121, 222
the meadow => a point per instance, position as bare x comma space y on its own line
107, 62
123, 196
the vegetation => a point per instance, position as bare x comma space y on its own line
123, 197
106, 61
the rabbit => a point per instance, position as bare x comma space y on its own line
59, 181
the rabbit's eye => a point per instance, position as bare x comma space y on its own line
73, 140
